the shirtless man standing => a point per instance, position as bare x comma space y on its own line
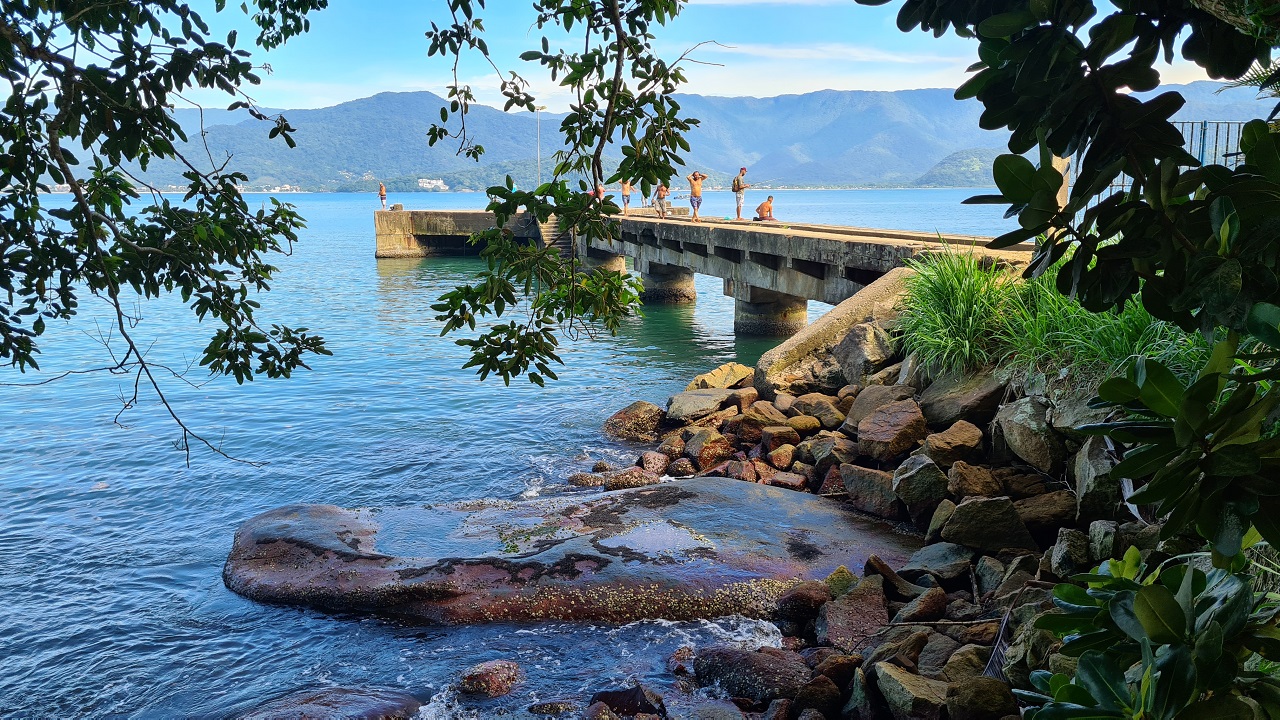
764, 211
660, 200
695, 192
626, 197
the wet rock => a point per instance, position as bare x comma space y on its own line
691, 405
896, 586
891, 431
909, 696
601, 466
631, 701
633, 477
953, 398
1045, 514
782, 456
921, 486
552, 707
775, 436
840, 581
865, 350
1097, 492
980, 698
820, 694
756, 418
961, 441
654, 462
729, 375
779, 709
840, 668
805, 425
945, 561
764, 471
369, 703
931, 605
681, 661
965, 480
871, 491
1070, 554
599, 711
933, 657
801, 603
759, 676
822, 407
790, 481
855, 616
871, 399
966, 662
990, 524
1102, 540
493, 679
740, 470
672, 447
1024, 426
638, 422
679, 550
708, 448
938, 521
586, 480
682, 467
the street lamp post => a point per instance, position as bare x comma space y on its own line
538, 110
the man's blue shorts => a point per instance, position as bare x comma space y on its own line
695, 201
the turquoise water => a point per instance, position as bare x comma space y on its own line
113, 546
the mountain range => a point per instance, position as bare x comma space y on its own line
827, 138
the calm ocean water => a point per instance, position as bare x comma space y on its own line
113, 547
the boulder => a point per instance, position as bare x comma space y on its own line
680, 550
654, 462
1025, 428
586, 480
801, 603
933, 533
848, 391
965, 480
599, 711
966, 662
755, 419
910, 696
953, 398
1044, 514
896, 586
672, 446
931, 605
1028, 651
764, 471
871, 399
852, 618
708, 448
729, 375
822, 407
789, 480
775, 436
759, 676
368, 703
743, 398
1020, 485
980, 698
782, 456
911, 371
920, 485
820, 694
1070, 554
891, 430
871, 491
961, 441
552, 707
493, 679
785, 403
945, 561
828, 452
1071, 410
806, 425
632, 477
1098, 494
789, 365
638, 422
988, 524
1102, 540
682, 467
933, 657
901, 645
990, 573
631, 702
865, 350
840, 668
887, 376
691, 405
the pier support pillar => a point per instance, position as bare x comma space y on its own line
667, 284
593, 259
766, 313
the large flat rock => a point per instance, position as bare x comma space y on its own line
682, 550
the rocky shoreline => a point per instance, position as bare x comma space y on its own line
1005, 497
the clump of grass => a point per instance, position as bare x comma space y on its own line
953, 309
961, 314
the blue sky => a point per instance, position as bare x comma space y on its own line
765, 48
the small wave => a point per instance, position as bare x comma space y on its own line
444, 706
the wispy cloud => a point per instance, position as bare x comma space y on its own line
829, 52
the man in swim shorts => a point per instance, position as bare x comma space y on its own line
764, 211
626, 197
660, 200
695, 192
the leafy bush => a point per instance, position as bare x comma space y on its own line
960, 314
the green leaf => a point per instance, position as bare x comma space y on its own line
1099, 674
1218, 707
1263, 322
1006, 24
1160, 389
1119, 390
1160, 614
1144, 461
1015, 176
1233, 461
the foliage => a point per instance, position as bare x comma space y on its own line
623, 94
1172, 642
960, 314
91, 91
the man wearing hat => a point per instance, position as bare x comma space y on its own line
740, 189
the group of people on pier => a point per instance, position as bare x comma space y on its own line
764, 211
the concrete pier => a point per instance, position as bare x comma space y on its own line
770, 269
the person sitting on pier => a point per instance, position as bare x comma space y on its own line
660, 200
695, 192
764, 211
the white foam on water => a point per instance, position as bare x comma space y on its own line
444, 706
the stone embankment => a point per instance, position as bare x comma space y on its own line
755, 491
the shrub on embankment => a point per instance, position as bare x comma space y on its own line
960, 314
